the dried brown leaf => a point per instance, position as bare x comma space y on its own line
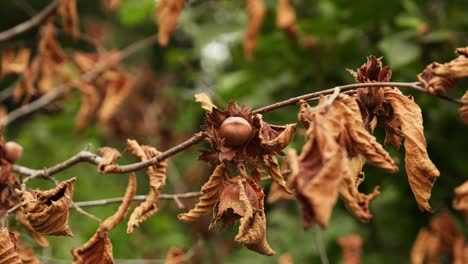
157, 180
356, 202
90, 100
14, 63
291, 164
40, 240
286, 18
26, 255
424, 240
118, 216
98, 250
47, 211
456, 68
351, 246
175, 255
275, 138
109, 158
8, 254
204, 100
211, 192
256, 10
436, 84
463, 110
460, 251
421, 172
273, 168
167, 13
116, 92
460, 202
245, 200
321, 169
70, 20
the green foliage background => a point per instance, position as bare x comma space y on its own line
205, 55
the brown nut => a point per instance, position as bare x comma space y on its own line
13, 151
235, 131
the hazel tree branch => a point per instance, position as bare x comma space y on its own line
31, 23
88, 157
89, 76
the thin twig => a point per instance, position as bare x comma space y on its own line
138, 198
89, 76
31, 23
86, 156
320, 246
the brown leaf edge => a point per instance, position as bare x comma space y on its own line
157, 180
211, 191
8, 254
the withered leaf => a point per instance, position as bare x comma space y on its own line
275, 138
47, 211
157, 180
436, 84
256, 10
98, 250
69, 15
286, 18
109, 158
460, 251
40, 240
460, 202
204, 100
8, 254
167, 13
116, 92
175, 255
90, 100
285, 259
118, 216
356, 202
211, 192
273, 168
464, 109
351, 246
14, 63
252, 229
421, 172
321, 168
26, 255
291, 164
436, 241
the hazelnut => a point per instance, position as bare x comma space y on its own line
235, 131
13, 151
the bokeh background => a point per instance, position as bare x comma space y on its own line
205, 54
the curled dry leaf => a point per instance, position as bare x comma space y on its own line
256, 10
211, 192
90, 100
26, 255
98, 250
351, 246
464, 109
286, 18
14, 63
109, 158
204, 100
167, 13
356, 202
157, 180
116, 92
118, 216
40, 240
436, 241
47, 211
175, 255
242, 199
460, 202
8, 254
421, 172
70, 20
440, 78
291, 164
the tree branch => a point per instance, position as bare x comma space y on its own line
89, 76
31, 23
86, 156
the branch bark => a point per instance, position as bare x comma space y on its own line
31, 23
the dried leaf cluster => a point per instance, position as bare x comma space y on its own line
441, 239
70, 20
401, 118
